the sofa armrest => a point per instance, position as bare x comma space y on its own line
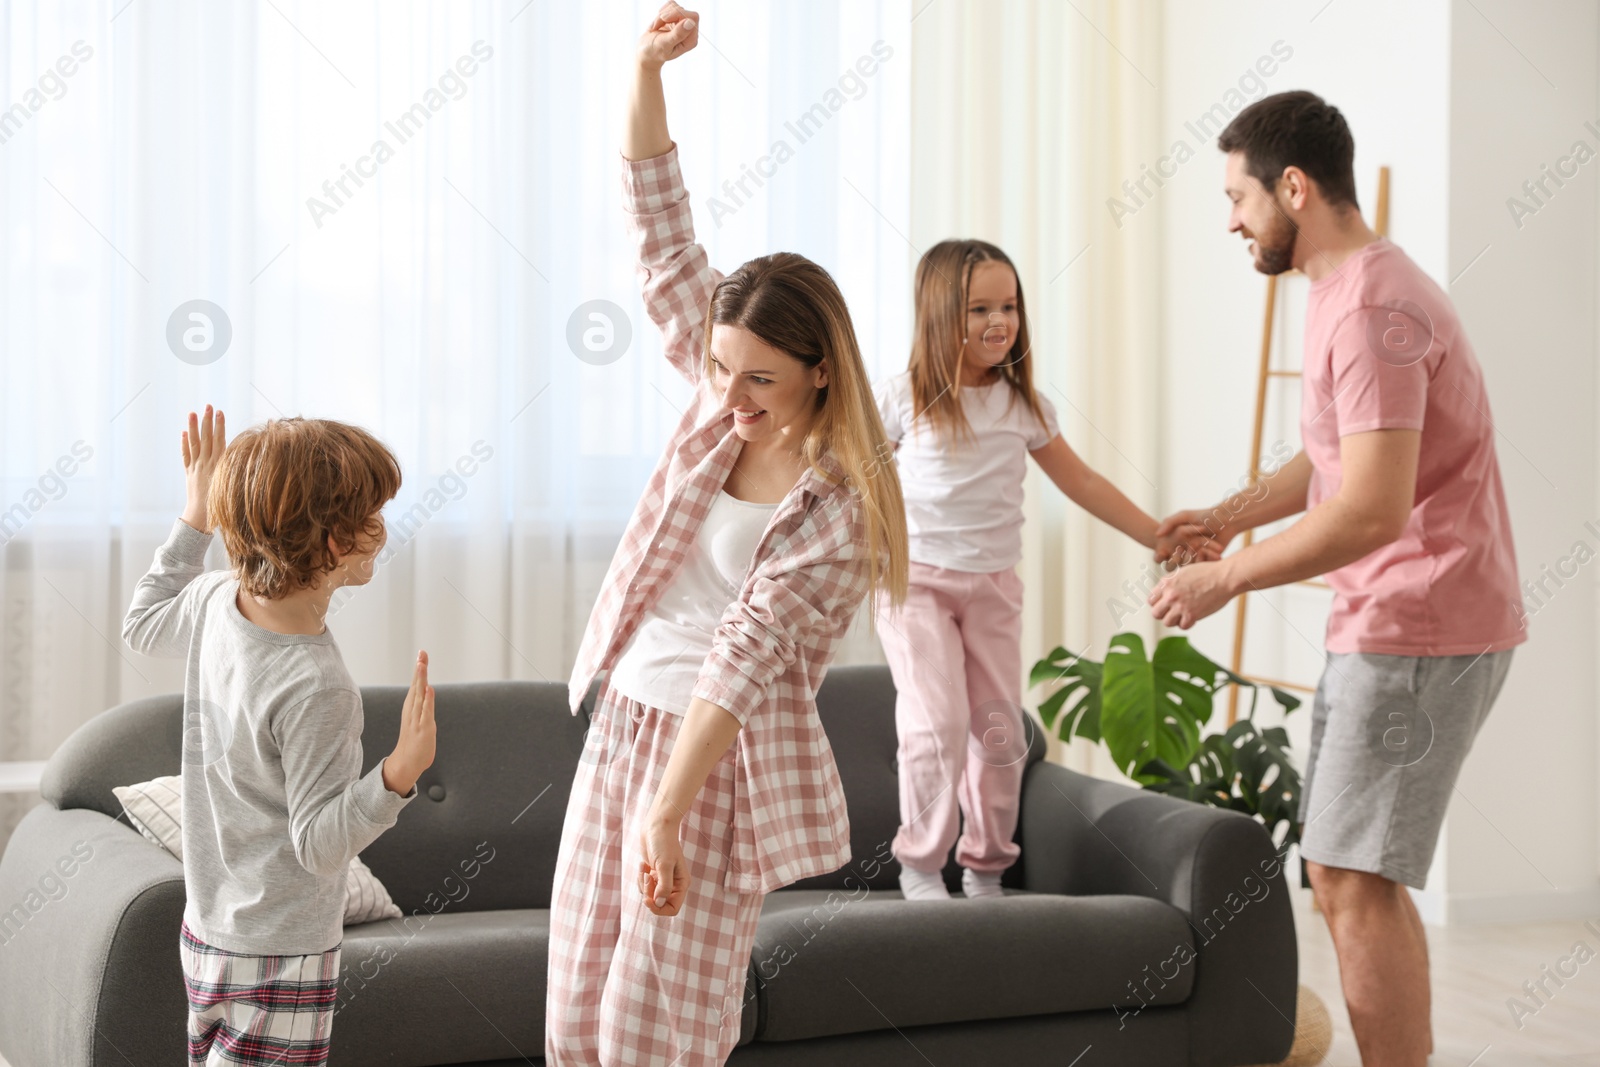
1085, 836
89, 919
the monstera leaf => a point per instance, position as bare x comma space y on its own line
1151, 712
1142, 708
1287, 701
1246, 769
1079, 694
1154, 708
1268, 782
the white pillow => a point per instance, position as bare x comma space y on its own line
155, 808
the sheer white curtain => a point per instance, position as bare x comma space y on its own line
398, 210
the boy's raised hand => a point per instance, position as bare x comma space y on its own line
414, 751
674, 32
203, 443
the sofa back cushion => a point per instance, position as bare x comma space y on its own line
857, 708
486, 824
485, 827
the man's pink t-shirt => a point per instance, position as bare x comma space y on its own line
1384, 350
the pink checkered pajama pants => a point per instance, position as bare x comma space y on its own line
628, 987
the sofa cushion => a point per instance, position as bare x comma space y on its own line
831, 962
155, 809
445, 988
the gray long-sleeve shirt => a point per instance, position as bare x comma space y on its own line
274, 803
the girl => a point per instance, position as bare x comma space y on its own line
707, 780
962, 417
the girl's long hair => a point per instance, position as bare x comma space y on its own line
944, 280
793, 305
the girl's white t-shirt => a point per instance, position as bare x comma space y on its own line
661, 662
964, 496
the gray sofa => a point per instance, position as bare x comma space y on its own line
1137, 929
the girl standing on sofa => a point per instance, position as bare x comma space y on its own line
707, 781
964, 418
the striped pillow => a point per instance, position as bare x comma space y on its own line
155, 809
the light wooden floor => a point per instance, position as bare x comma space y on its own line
1475, 970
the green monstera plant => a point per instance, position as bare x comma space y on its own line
1150, 712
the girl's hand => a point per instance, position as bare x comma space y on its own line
1217, 529
663, 872
674, 32
414, 751
203, 443
1186, 543
1195, 529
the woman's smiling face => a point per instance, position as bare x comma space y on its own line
769, 391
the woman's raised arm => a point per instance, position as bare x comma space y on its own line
677, 278
674, 32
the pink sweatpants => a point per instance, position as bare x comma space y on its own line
626, 986
955, 651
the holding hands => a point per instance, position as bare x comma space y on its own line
1200, 585
1186, 596
1199, 531
1181, 540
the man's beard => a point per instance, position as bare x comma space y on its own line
1275, 246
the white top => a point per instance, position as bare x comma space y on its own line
661, 661
964, 497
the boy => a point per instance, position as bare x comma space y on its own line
274, 802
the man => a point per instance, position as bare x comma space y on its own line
1405, 514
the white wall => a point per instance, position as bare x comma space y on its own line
1521, 91
1434, 92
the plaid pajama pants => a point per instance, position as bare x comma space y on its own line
628, 987
258, 1010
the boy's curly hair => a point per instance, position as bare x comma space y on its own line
281, 488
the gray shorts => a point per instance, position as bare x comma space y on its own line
1388, 737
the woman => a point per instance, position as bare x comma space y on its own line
708, 781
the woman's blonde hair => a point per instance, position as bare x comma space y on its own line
944, 281
282, 487
793, 305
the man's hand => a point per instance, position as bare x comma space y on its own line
1186, 596
203, 443
674, 32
